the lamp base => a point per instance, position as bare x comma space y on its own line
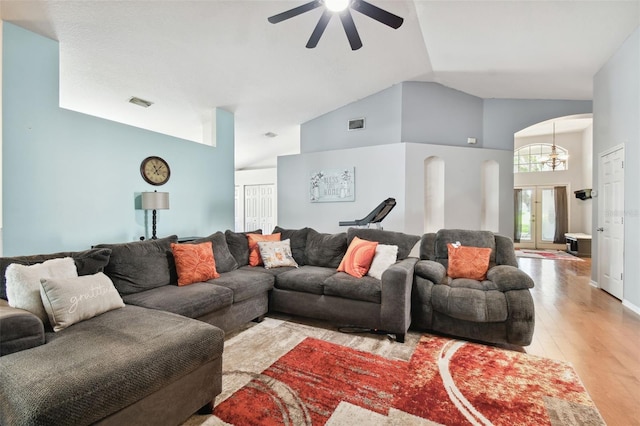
153, 226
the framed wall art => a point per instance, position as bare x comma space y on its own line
332, 185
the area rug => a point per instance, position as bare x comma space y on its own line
547, 254
441, 382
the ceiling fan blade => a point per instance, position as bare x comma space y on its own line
295, 11
319, 30
350, 29
380, 15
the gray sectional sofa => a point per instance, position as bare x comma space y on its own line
159, 358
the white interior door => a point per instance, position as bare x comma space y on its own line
538, 219
259, 207
611, 222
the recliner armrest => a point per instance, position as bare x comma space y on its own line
19, 330
431, 270
508, 278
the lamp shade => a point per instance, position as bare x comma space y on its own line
155, 200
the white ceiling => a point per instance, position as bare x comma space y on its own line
191, 56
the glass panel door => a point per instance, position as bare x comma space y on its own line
527, 218
538, 218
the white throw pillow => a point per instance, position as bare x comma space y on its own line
386, 255
276, 254
71, 300
23, 283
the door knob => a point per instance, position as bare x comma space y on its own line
600, 229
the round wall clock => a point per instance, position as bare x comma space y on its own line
155, 170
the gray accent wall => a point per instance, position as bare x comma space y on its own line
504, 117
616, 120
435, 114
382, 112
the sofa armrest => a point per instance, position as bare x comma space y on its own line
431, 270
508, 278
19, 330
395, 311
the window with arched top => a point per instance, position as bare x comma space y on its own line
540, 157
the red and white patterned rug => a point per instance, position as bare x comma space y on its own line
444, 381
547, 254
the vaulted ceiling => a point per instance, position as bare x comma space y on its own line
191, 56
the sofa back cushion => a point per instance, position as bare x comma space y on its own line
225, 262
239, 245
87, 262
298, 241
325, 249
405, 242
469, 238
141, 265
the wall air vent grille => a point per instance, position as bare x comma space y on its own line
356, 124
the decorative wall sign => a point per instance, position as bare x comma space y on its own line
332, 185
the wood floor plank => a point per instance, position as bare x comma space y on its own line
581, 324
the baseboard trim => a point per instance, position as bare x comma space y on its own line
631, 306
594, 284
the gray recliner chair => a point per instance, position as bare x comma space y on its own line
498, 309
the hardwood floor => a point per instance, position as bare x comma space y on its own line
589, 328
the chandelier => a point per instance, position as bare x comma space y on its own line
555, 160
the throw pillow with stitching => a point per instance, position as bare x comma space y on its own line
194, 262
71, 300
276, 254
23, 283
386, 255
254, 251
468, 262
357, 261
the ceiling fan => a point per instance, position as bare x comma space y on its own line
341, 8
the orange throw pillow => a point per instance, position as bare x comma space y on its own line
357, 260
468, 262
254, 250
194, 262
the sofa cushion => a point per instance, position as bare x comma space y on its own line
254, 251
98, 367
405, 242
71, 300
239, 245
88, 262
325, 250
276, 254
470, 304
225, 261
307, 279
141, 265
298, 239
194, 262
23, 283
357, 260
191, 301
245, 284
343, 285
19, 329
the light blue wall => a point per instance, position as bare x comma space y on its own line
504, 117
435, 114
616, 120
71, 180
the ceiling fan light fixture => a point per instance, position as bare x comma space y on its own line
336, 5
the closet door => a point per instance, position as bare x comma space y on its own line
259, 208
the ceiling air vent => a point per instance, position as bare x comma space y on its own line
140, 102
356, 124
